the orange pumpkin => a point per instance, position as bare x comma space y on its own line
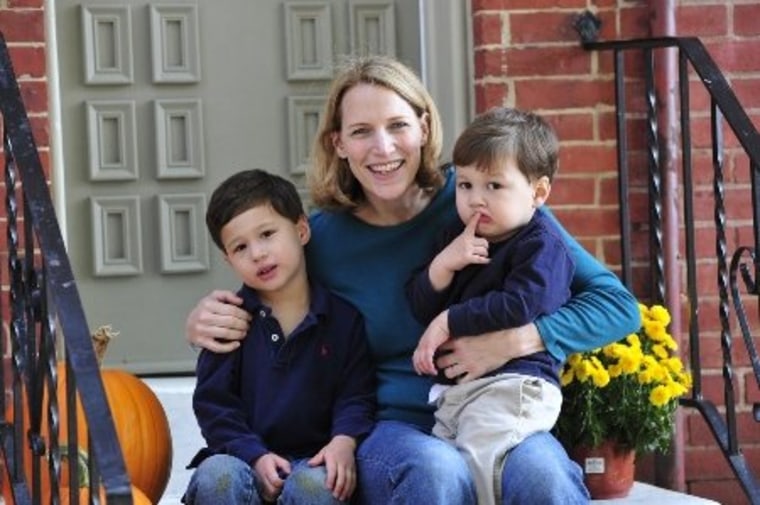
141, 427
138, 497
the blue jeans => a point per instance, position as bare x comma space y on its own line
223, 479
399, 464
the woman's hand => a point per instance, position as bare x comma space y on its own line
217, 323
338, 458
473, 357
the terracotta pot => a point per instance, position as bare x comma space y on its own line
608, 469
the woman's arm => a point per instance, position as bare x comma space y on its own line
217, 323
601, 310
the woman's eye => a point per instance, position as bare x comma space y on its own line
397, 125
359, 131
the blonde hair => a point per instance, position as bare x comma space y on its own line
331, 182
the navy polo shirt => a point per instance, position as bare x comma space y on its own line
287, 396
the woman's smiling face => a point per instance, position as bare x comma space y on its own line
381, 137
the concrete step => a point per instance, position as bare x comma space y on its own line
175, 394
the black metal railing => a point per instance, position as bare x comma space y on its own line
738, 272
40, 308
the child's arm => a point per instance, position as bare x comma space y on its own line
427, 290
353, 412
219, 409
537, 281
466, 249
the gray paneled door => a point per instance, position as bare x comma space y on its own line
161, 101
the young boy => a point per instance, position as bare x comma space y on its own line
283, 413
502, 267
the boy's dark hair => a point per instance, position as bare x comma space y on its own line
245, 190
502, 133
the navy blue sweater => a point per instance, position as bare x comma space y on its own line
529, 275
289, 396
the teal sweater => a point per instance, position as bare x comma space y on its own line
370, 266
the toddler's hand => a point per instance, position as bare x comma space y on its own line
466, 249
435, 334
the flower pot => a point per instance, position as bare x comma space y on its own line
608, 469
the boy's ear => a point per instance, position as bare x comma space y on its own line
304, 230
541, 189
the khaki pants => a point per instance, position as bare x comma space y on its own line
487, 417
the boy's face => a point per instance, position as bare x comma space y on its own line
503, 196
265, 249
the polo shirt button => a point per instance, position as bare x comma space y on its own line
275, 337
262, 313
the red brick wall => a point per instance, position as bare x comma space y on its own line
527, 55
22, 25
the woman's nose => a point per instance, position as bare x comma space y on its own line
383, 141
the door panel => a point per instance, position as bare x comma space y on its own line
162, 101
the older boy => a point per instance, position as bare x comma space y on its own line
502, 267
283, 413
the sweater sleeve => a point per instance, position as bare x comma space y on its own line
219, 409
425, 301
601, 310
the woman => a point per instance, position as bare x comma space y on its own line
383, 197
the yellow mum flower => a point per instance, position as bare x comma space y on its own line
601, 378
659, 396
630, 363
566, 377
675, 389
660, 313
645, 376
614, 350
615, 371
655, 330
669, 342
673, 364
633, 340
583, 370
684, 379
660, 351
574, 359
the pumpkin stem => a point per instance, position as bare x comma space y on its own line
101, 337
82, 465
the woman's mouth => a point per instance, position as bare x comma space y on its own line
385, 168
